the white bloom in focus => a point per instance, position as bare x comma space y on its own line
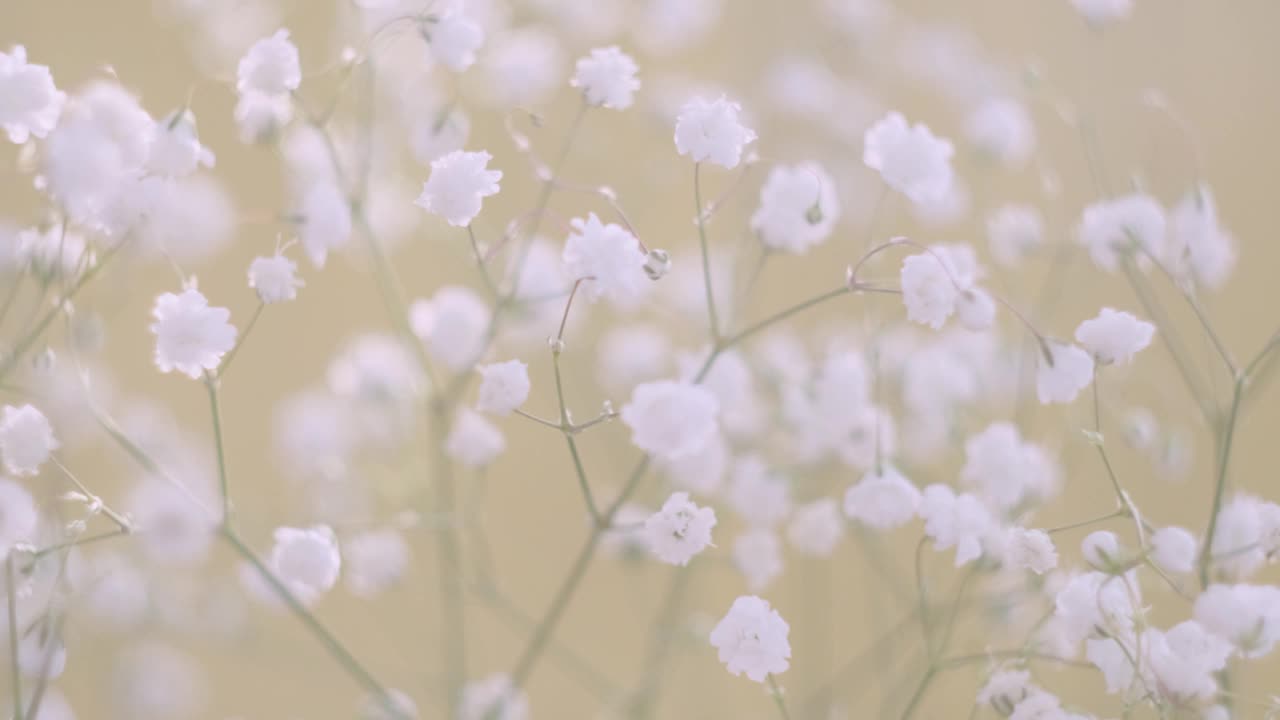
607, 78
709, 131
306, 560
1031, 550
816, 527
325, 221
474, 441
798, 208
375, 561
679, 530
1101, 12
453, 324
1247, 616
458, 183
503, 387
493, 698
960, 521
910, 158
752, 638
883, 499
1114, 337
1014, 232
671, 419
758, 556
1062, 373
1174, 549
191, 337
607, 257
270, 67
18, 516
274, 278
1002, 129
454, 40
928, 290
1133, 225
26, 439
30, 104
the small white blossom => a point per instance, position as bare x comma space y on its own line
976, 309
760, 496
798, 208
260, 116
453, 324
18, 516
710, 131
175, 150
474, 441
679, 530
274, 278
458, 183
504, 387
758, 556
607, 78
1031, 550
306, 560
671, 419
454, 40
607, 258
883, 499
1014, 232
374, 561
816, 527
1097, 602
1200, 249
1063, 372
959, 521
1130, 226
1114, 337
928, 290
191, 337
1002, 129
752, 638
1101, 549
325, 221
31, 104
910, 158
26, 439
1245, 536
1247, 616
493, 698
270, 67
1173, 549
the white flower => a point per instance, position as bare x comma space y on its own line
454, 40
1014, 232
306, 560
175, 150
30, 104
1002, 129
1199, 247
816, 527
375, 561
274, 278
1095, 602
671, 419
679, 530
26, 439
191, 337
1246, 535
1133, 225
607, 257
909, 158
474, 441
1101, 549
761, 497
1031, 550
798, 208
522, 68
453, 324
1005, 470
493, 698
174, 530
758, 556
1064, 371
959, 521
752, 638
458, 182
1247, 616
928, 290
270, 67
607, 78
260, 116
1114, 336
1101, 12
883, 499
976, 309
709, 131
18, 516
325, 220
503, 387
700, 472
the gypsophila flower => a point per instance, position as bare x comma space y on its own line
474, 441
274, 278
883, 499
956, 521
816, 527
270, 67
1001, 128
910, 158
1200, 249
1247, 616
928, 290
607, 258
175, 148
760, 496
325, 223
607, 78
26, 439
710, 131
306, 560
18, 516
191, 337
1064, 371
1101, 549
1174, 549
493, 698
452, 324
260, 116
1129, 226
454, 39
504, 387
458, 183
798, 208
1005, 470
374, 561
758, 556
1031, 550
679, 530
1014, 232
1114, 337
752, 638
1096, 602
30, 104
671, 419
976, 309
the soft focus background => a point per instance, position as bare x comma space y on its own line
1214, 62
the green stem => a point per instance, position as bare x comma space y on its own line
918, 695
663, 634
1086, 523
583, 485
706, 258
1220, 487
15, 675
776, 692
11, 296
253, 321
452, 615
480, 262
215, 412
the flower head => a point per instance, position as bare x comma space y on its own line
18, 516
274, 278
710, 131
504, 387
1114, 337
306, 560
671, 419
798, 208
607, 78
910, 158
1064, 371
679, 530
30, 104
883, 499
928, 290
607, 257
752, 638
454, 40
493, 698
459, 181
474, 441
270, 67
191, 337
1130, 226
26, 439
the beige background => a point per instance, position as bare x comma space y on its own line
1216, 61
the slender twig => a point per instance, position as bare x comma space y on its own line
15, 675
706, 257
1086, 523
480, 262
583, 484
778, 700
1227, 435
215, 413
253, 321
122, 523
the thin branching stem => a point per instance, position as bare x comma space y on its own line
253, 322
15, 676
215, 413
1226, 435
712, 318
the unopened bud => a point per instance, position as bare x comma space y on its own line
657, 263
